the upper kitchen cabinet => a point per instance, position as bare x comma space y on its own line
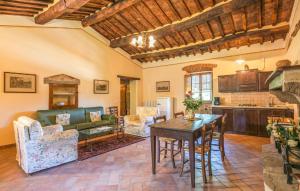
227, 83
247, 80
244, 81
262, 77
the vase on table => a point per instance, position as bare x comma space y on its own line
191, 115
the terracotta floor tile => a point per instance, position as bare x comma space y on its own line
129, 169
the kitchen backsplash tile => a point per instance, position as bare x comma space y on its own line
257, 98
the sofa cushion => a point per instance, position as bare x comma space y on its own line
92, 109
82, 126
48, 117
100, 123
67, 127
77, 115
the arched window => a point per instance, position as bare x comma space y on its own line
200, 85
199, 81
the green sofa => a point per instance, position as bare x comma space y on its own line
79, 119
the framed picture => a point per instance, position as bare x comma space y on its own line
101, 86
19, 83
163, 86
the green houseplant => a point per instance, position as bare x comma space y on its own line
191, 105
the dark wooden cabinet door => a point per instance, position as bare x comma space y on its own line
247, 80
289, 113
239, 121
262, 77
245, 121
229, 112
252, 121
229, 122
263, 122
217, 111
227, 83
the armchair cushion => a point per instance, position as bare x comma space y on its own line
52, 129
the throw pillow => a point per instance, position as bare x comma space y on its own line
63, 119
95, 116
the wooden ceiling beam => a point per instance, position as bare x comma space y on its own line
203, 17
108, 12
206, 45
58, 9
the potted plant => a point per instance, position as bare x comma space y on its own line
191, 105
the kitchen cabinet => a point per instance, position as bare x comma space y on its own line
244, 81
229, 112
247, 80
250, 121
263, 122
227, 83
262, 77
245, 121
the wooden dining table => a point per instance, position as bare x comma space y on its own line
181, 129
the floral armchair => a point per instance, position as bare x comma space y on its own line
40, 147
139, 124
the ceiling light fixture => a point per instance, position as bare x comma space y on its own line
143, 40
240, 61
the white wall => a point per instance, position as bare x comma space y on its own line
48, 51
173, 73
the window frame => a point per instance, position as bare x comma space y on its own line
200, 83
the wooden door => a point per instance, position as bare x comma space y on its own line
124, 97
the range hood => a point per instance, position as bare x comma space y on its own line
285, 84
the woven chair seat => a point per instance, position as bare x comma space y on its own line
199, 149
216, 135
165, 139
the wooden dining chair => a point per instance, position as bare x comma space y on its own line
203, 149
114, 110
167, 141
218, 137
179, 114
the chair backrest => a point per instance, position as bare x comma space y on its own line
159, 119
113, 110
143, 111
178, 114
206, 134
224, 123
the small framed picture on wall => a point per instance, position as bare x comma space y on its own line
163, 86
19, 83
101, 87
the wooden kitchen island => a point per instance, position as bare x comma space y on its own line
250, 120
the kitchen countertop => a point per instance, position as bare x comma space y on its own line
252, 107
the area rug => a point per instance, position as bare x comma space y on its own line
105, 145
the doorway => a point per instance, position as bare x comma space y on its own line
128, 95
124, 97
